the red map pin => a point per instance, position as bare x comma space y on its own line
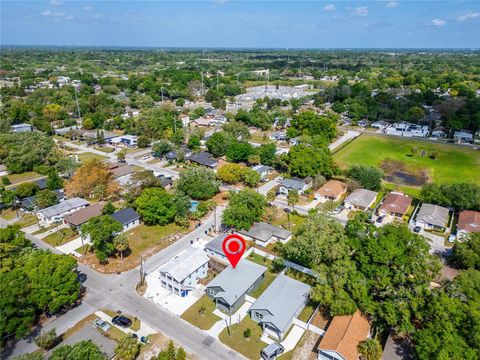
233, 247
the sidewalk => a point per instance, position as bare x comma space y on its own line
70, 247
217, 328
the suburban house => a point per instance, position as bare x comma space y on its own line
41, 183
432, 217
181, 274
214, 248
122, 173
395, 204
127, 141
360, 199
380, 125
468, 222
165, 181
439, 133
294, 184
279, 304
29, 203
342, 337
229, 288
331, 190
82, 216
128, 218
264, 233
463, 137
280, 135
263, 171
21, 128
203, 158
56, 212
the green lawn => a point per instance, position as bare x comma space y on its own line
26, 176
307, 311
8, 214
201, 314
248, 347
453, 163
267, 280
86, 156
44, 229
61, 237
27, 220
135, 321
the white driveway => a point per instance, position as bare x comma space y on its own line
347, 136
144, 330
293, 338
265, 188
70, 247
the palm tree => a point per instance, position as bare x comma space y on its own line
121, 243
292, 198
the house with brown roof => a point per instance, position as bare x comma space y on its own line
395, 204
468, 222
343, 336
81, 216
331, 190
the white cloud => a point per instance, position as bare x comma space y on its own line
468, 16
87, 8
56, 2
392, 4
53, 13
329, 7
437, 22
359, 11
219, 1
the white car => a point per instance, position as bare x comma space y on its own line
101, 324
145, 157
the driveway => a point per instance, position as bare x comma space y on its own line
265, 188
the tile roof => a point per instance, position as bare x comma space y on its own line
182, 265
433, 214
397, 203
469, 221
333, 188
264, 231
81, 216
236, 282
282, 299
126, 216
344, 333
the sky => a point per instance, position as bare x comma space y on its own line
242, 24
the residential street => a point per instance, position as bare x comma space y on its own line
118, 293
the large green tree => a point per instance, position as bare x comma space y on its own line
244, 208
199, 183
156, 206
368, 176
303, 160
102, 230
466, 254
79, 351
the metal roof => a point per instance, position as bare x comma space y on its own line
282, 299
62, 207
236, 282
182, 265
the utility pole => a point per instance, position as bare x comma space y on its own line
215, 219
78, 107
141, 270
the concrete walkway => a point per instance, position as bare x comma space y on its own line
144, 330
70, 247
293, 338
347, 136
217, 328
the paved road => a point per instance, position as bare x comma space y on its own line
118, 292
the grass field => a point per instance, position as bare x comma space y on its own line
201, 314
86, 156
248, 347
26, 176
452, 164
61, 237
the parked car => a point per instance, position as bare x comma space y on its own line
417, 229
380, 219
452, 238
122, 321
145, 157
272, 351
338, 209
101, 324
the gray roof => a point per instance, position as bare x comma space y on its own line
126, 216
41, 183
262, 168
361, 197
293, 183
236, 282
182, 265
433, 214
215, 245
30, 201
62, 207
264, 231
282, 299
88, 332
203, 158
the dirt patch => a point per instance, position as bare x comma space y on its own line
396, 172
306, 349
